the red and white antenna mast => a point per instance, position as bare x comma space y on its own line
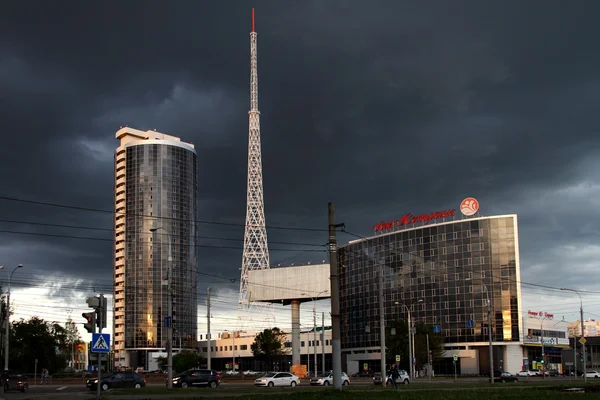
256, 250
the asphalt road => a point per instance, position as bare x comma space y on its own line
79, 391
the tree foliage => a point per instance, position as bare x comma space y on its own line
37, 339
182, 361
397, 343
185, 360
269, 345
72, 339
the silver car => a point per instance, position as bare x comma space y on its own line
278, 379
403, 378
326, 379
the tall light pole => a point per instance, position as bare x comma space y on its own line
410, 337
489, 318
543, 350
574, 337
72, 338
8, 318
232, 333
169, 310
315, 325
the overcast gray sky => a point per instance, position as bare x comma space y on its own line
383, 107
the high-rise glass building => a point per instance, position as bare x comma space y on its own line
439, 270
155, 188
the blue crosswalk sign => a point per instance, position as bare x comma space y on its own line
471, 323
436, 329
100, 342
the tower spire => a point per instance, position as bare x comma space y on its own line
256, 250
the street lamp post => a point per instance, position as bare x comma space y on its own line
543, 350
8, 318
489, 318
315, 326
574, 336
232, 333
410, 338
169, 310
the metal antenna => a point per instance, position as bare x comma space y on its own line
256, 250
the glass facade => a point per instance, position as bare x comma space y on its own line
161, 191
443, 265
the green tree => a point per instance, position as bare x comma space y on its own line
269, 345
396, 341
181, 361
39, 339
185, 360
162, 363
436, 343
72, 339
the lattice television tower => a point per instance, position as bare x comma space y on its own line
256, 250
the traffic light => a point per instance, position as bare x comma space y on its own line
101, 320
90, 325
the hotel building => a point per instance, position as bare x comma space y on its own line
442, 269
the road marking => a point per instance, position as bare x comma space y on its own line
61, 388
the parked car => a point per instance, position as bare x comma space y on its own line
14, 381
551, 372
532, 372
592, 374
377, 378
126, 379
326, 379
197, 377
503, 376
403, 378
278, 379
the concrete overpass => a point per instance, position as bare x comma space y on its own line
290, 285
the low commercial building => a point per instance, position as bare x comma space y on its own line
233, 350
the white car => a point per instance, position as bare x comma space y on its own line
403, 378
534, 372
592, 374
326, 379
277, 379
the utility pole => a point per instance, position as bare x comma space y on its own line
336, 348
315, 336
323, 340
208, 328
583, 344
410, 347
382, 322
429, 360
100, 313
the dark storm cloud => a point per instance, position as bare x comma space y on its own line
382, 107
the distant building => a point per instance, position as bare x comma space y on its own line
225, 346
589, 325
156, 180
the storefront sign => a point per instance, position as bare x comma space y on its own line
410, 219
548, 341
539, 314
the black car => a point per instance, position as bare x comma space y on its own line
197, 377
500, 376
121, 380
14, 381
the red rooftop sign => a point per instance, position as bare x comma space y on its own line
410, 219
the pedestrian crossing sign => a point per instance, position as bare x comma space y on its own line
100, 342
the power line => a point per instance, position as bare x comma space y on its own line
112, 240
149, 233
71, 207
